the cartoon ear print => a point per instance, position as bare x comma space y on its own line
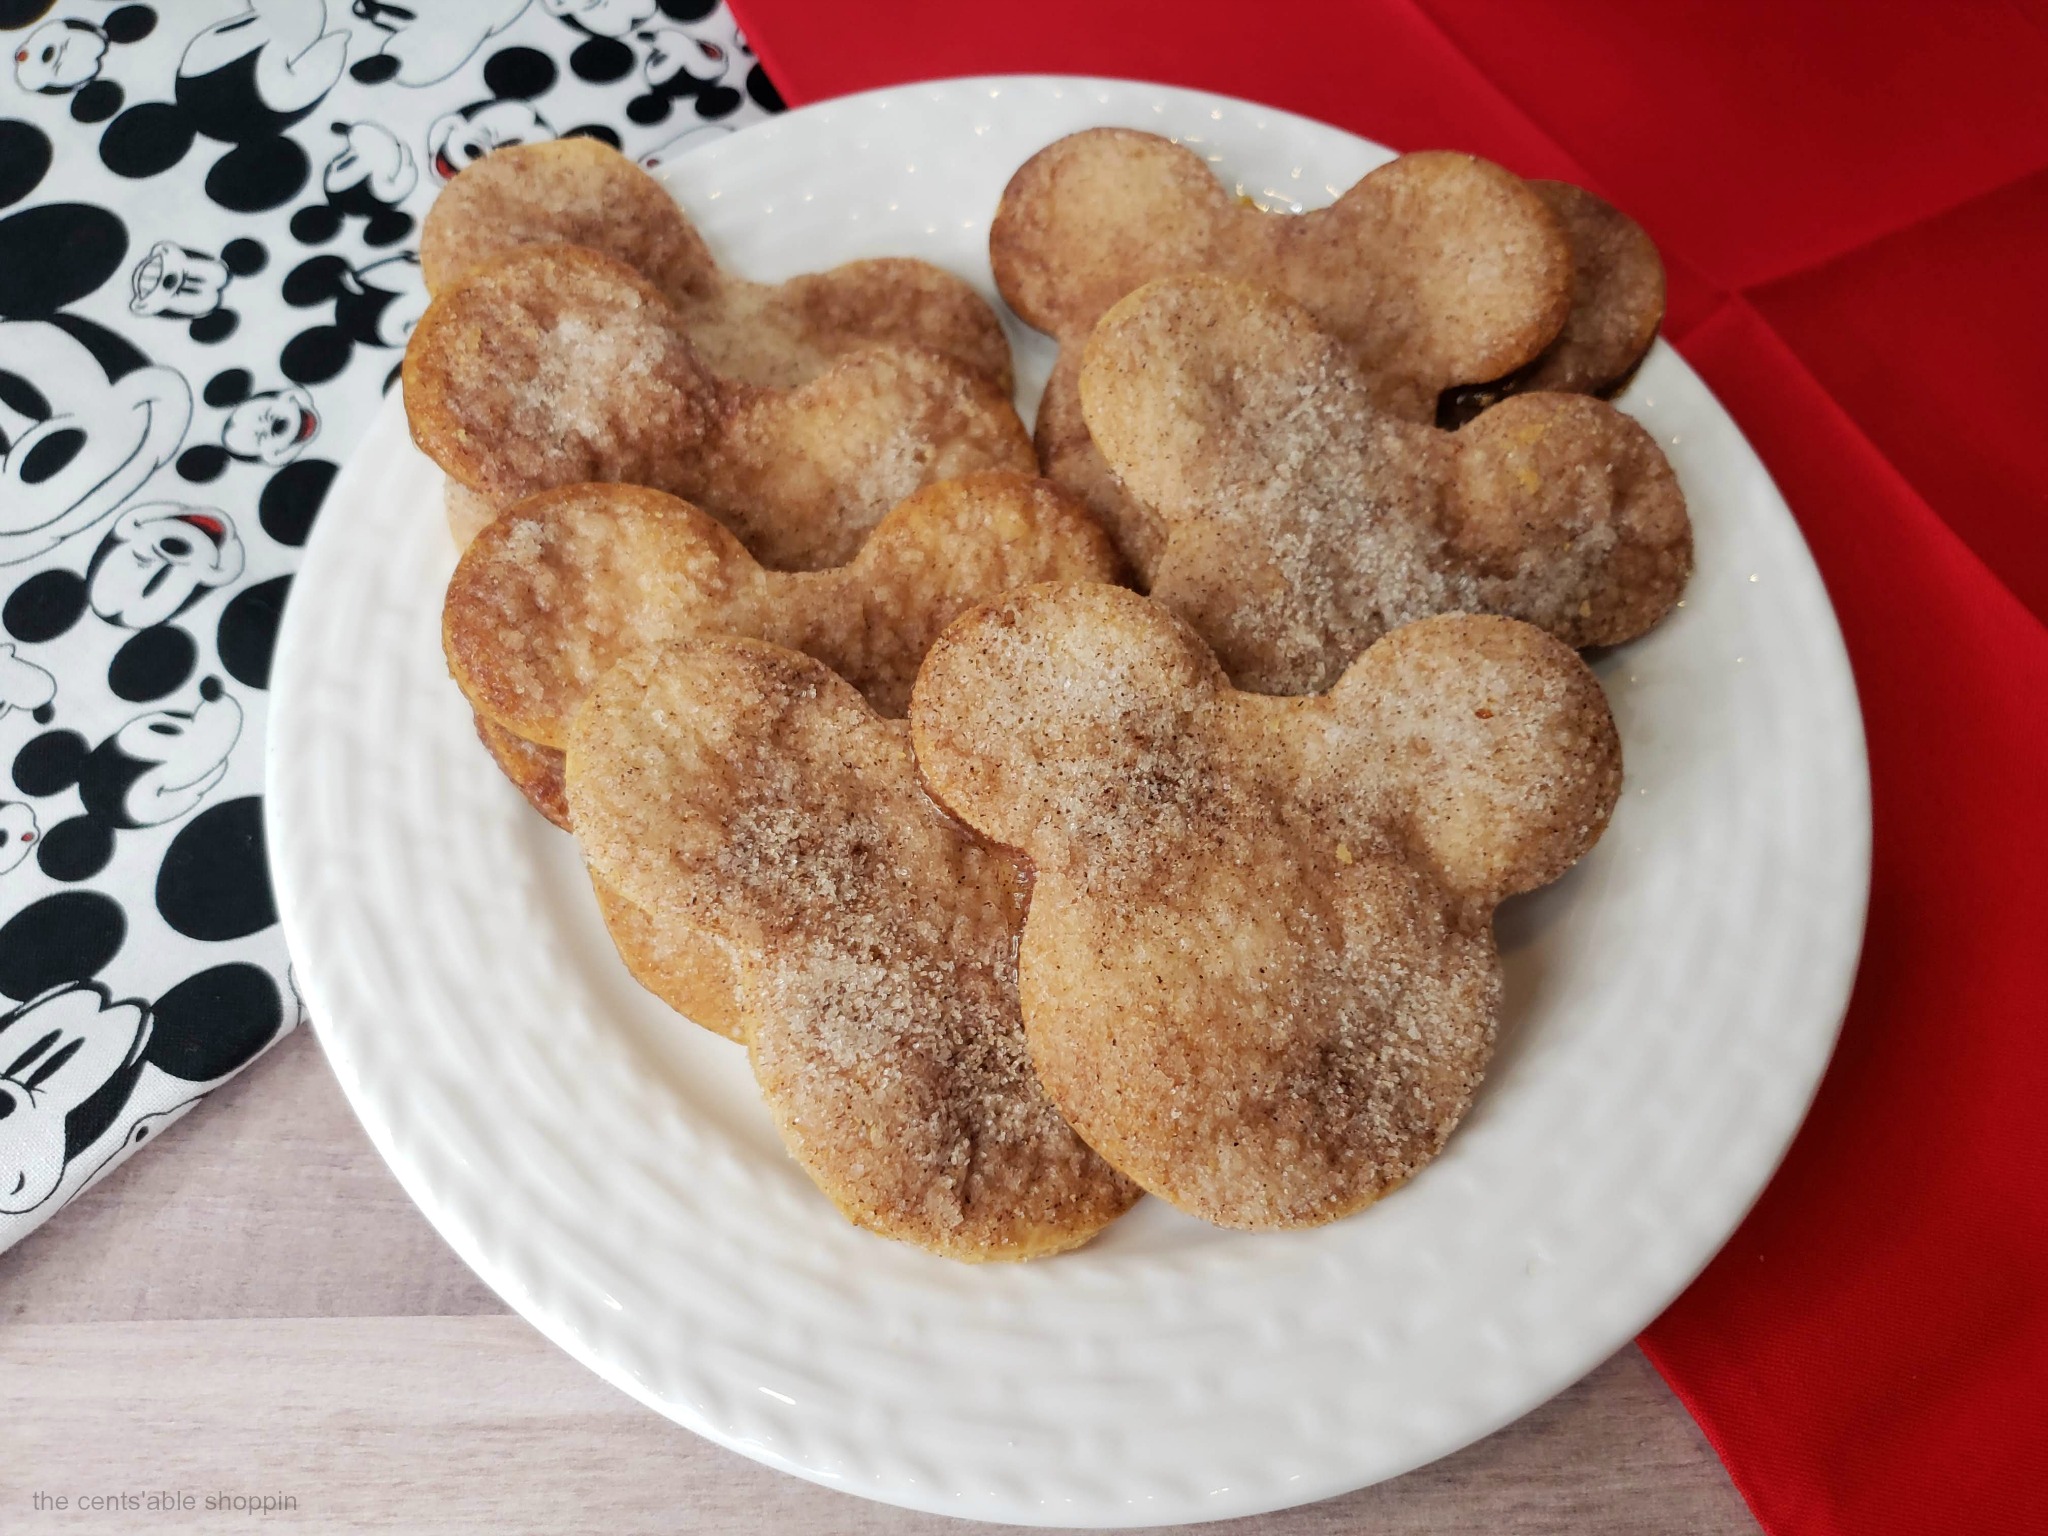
58, 1050
374, 306
213, 1023
154, 769
894, 1004
680, 67
176, 282
25, 156
241, 82
1258, 969
62, 937
214, 883
247, 634
1297, 521
64, 58
763, 91
25, 686
369, 176
514, 76
426, 43
271, 427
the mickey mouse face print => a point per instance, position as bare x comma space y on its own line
76, 437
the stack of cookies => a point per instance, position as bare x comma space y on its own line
1059, 822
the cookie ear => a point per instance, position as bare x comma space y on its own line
1571, 515
1036, 713
1190, 380
1094, 215
1500, 736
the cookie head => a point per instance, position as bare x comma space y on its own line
554, 365
574, 191
1258, 970
547, 598
1299, 521
748, 792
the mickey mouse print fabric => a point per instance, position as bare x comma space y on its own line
208, 270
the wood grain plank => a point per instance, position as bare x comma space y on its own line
462, 1425
254, 1305
265, 1201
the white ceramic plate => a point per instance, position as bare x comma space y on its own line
608, 1168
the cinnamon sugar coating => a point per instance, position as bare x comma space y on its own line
578, 191
554, 364
1435, 270
535, 770
748, 792
558, 588
1617, 306
1258, 971
1299, 521
683, 966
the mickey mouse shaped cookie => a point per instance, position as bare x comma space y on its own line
734, 787
1435, 271
555, 364
581, 192
1298, 521
1258, 972
552, 594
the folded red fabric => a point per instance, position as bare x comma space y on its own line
1853, 201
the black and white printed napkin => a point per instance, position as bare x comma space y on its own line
209, 215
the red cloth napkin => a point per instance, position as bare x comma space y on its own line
1853, 202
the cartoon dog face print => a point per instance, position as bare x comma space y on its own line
369, 176
514, 76
157, 559
18, 831
24, 686
156, 768
682, 67
241, 82
428, 40
65, 56
374, 306
178, 283
77, 436
57, 1050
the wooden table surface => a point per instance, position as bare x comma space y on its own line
253, 1308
